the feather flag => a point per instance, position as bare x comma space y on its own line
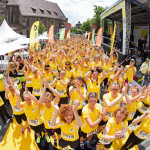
62, 34
94, 26
99, 37
68, 34
34, 36
93, 36
51, 34
113, 38
67, 28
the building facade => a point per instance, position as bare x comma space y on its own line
21, 14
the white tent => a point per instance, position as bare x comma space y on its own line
7, 34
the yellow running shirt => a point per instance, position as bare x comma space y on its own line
1, 82
129, 74
13, 102
37, 86
94, 115
32, 113
143, 130
75, 96
1, 102
77, 73
69, 132
62, 90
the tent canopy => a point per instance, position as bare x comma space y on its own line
7, 34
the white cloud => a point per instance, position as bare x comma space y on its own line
80, 10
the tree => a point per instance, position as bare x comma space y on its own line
98, 10
41, 28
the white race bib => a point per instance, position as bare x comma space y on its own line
34, 122
104, 141
37, 91
55, 70
50, 82
73, 103
29, 82
70, 137
91, 133
16, 80
142, 135
61, 92
20, 73
131, 114
17, 109
109, 114
143, 109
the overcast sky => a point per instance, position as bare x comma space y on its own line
80, 10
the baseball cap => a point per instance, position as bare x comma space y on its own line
147, 59
132, 60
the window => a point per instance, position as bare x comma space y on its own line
56, 13
33, 9
27, 33
42, 11
49, 12
27, 22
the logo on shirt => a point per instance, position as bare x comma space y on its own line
33, 110
71, 130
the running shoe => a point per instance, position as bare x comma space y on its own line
38, 139
82, 145
47, 139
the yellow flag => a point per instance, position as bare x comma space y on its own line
34, 36
88, 36
68, 34
113, 38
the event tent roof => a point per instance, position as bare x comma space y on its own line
7, 34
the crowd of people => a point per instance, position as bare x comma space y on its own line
57, 91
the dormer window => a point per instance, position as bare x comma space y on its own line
49, 12
33, 9
42, 11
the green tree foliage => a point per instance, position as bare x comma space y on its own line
76, 31
41, 28
98, 10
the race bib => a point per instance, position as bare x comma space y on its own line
109, 114
33, 122
143, 109
73, 103
70, 137
61, 92
29, 82
131, 114
55, 70
104, 141
16, 80
37, 91
50, 82
142, 135
20, 73
17, 109
91, 133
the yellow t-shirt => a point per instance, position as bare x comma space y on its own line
2, 82
85, 68
111, 110
47, 114
13, 102
132, 109
54, 67
37, 86
94, 115
94, 65
75, 96
1, 102
106, 68
32, 113
129, 74
143, 130
141, 108
94, 86
62, 90
29, 81
77, 73
49, 77
69, 132
68, 74
147, 101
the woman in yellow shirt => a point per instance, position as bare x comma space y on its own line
93, 114
18, 112
60, 84
77, 92
93, 80
115, 128
69, 124
140, 133
31, 109
47, 110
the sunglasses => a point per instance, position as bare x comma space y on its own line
46, 69
115, 90
67, 64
